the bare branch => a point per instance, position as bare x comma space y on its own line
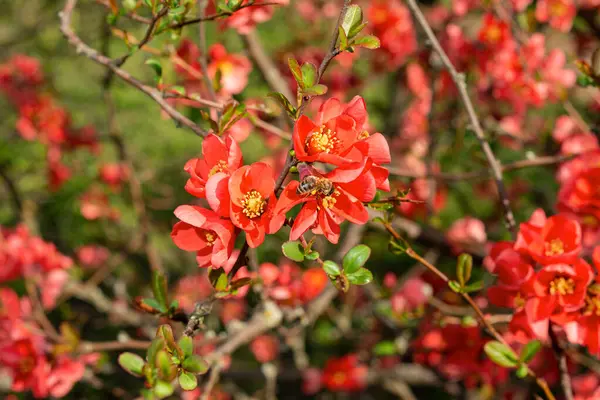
459, 80
82, 48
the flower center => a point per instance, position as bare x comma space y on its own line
558, 9
592, 306
493, 33
590, 220
555, 247
254, 204
363, 135
339, 378
210, 237
26, 365
328, 201
221, 166
562, 286
322, 141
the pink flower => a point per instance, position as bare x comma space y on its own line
265, 348
467, 233
202, 231
559, 13
233, 69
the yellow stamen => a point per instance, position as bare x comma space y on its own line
221, 166
554, 248
562, 286
210, 238
322, 141
254, 204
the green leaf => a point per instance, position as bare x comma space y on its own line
188, 381
186, 345
163, 389
500, 354
360, 277
155, 346
221, 284
195, 365
285, 103
153, 303
313, 255
166, 370
356, 258
234, 4
454, 286
316, 90
331, 268
159, 288
394, 247
356, 29
177, 11
131, 363
522, 371
464, 267
293, 250
166, 332
155, 65
473, 287
296, 71
309, 75
174, 305
149, 3
340, 282
238, 283
214, 274
352, 19
385, 348
343, 39
368, 42
530, 350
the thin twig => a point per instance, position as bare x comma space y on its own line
82, 48
459, 80
561, 357
203, 51
116, 345
215, 372
521, 164
214, 16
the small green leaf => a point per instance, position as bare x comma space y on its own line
500, 354
293, 250
195, 365
454, 286
296, 71
360, 277
356, 258
285, 103
155, 65
356, 29
313, 255
221, 284
331, 268
159, 288
214, 274
352, 19
473, 287
157, 344
340, 282
188, 381
463, 268
174, 305
234, 4
385, 348
166, 370
368, 42
394, 247
530, 350
316, 90
309, 75
163, 389
131, 363
522, 371
343, 39
186, 345
177, 11
238, 283
166, 332
153, 303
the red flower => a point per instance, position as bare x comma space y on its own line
559, 13
265, 348
558, 288
345, 374
549, 241
209, 176
467, 233
494, 31
202, 230
351, 186
252, 202
234, 69
289, 285
340, 137
514, 272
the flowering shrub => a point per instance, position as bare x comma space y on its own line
377, 198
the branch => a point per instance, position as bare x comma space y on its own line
12, 190
459, 80
203, 51
561, 357
214, 16
82, 48
521, 164
266, 66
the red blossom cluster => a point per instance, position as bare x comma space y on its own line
242, 197
544, 278
41, 117
26, 255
